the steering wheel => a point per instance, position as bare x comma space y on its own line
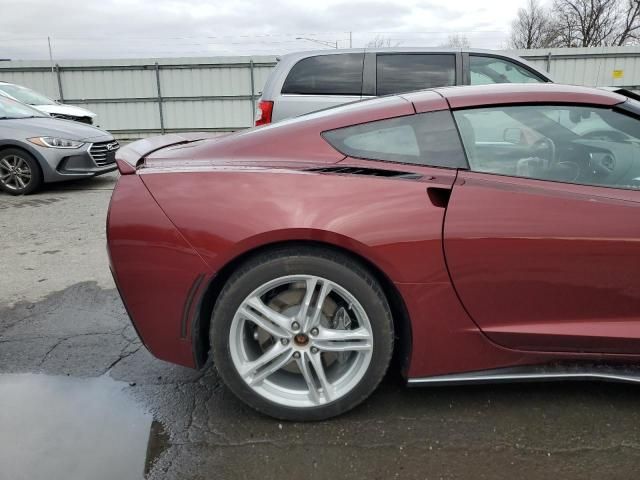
545, 144
602, 164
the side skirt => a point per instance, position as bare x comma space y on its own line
628, 374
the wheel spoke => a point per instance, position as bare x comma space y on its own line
5, 163
330, 340
19, 163
306, 302
268, 363
303, 365
313, 319
19, 181
327, 388
280, 321
24, 171
4, 177
264, 322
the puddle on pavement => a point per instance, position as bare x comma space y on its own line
54, 427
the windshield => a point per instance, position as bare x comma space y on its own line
25, 95
12, 109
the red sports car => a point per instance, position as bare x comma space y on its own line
476, 233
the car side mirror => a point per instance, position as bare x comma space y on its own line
513, 135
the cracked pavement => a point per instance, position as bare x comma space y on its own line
61, 316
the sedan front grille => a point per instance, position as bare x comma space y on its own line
87, 120
104, 153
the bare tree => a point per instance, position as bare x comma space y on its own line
456, 40
533, 27
380, 41
629, 23
586, 23
577, 23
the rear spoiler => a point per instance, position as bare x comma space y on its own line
130, 157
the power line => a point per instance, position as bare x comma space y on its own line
206, 45
257, 36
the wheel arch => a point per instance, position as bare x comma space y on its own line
400, 314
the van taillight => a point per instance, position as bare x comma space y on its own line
263, 112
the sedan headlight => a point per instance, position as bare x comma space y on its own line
55, 142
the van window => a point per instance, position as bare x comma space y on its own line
339, 74
486, 70
397, 73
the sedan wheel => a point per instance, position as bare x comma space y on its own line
19, 172
303, 346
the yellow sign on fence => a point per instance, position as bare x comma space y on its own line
618, 73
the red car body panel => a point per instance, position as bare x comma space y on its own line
154, 267
563, 260
180, 214
280, 205
512, 93
406, 246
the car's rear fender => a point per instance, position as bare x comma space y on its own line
231, 213
225, 211
155, 270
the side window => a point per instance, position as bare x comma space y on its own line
397, 73
338, 74
485, 70
572, 144
423, 139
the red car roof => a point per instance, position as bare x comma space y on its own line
474, 96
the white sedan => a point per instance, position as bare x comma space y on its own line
45, 104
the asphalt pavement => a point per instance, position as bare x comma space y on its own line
79, 394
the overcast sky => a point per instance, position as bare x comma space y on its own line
162, 28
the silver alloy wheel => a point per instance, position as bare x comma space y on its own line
301, 341
15, 172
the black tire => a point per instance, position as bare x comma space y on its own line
7, 158
323, 262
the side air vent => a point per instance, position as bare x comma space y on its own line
372, 172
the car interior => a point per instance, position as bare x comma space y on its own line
584, 145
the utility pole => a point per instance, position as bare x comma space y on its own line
53, 73
350, 39
50, 55
55, 76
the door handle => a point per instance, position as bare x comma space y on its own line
439, 196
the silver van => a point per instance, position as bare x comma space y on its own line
307, 81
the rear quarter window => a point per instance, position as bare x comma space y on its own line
338, 74
429, 139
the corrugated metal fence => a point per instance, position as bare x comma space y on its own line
143, 97
594, 67
135, 98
